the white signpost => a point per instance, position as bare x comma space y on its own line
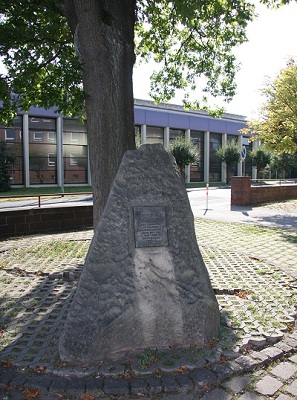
243, 156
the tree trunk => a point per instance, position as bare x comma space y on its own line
104, 41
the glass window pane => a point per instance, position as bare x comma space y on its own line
154, 134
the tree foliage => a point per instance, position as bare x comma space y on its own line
184, 152
277, 128
283, 164
78, 56
260, 158
191, 40
230, 155
188, 39
6, 162
37, 48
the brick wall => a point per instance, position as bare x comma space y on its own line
243, 194
34, 220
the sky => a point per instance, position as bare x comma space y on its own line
272, 40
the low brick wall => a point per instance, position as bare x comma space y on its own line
34, 220
243, 194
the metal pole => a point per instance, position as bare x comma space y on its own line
207, 185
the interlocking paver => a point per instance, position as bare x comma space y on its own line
238, 383
284, 370
293, 358
217, 394
292, 388
284, 397
250, 396
268, 386
251, 268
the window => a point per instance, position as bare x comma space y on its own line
51, 159
75, 136
73, 159
10, 135
51, 136
154, 134
176, 133
38, 136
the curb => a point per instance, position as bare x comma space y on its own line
200, 379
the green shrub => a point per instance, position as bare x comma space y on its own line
184, 152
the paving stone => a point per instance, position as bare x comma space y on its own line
155, 385
12, 394
272, 352
291, 342
292, 389
169, 383
284, 370
262, 359
235, 367
180, 396
217, 394
202, 377
76, 385
139, 385
19, 379
293, 358
59, 384
250, 396
6, 377
247, 362
238, 383
116, 386
39, 382
184, 381
283, 397
284, 347
268, 386
94, 385
55, 295
222, 371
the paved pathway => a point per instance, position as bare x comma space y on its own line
253, 272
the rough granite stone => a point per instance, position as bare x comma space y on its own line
237, 383
284, 370
268, 386
292, 388
217, 394
144, 283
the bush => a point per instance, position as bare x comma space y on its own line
184, 152
230, 155
260, 158
6, 162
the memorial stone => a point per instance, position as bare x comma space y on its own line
144, 283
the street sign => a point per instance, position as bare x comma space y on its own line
243, 153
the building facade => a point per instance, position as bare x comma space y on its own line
52, 150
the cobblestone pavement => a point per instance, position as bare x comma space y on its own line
253, 272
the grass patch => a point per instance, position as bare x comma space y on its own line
37, 254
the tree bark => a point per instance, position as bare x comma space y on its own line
103, 33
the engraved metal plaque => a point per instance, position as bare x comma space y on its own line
150, 226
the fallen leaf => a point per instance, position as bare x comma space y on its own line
242, 294
31, 393
7, 364
183, 369
41, 369
206, 386
88, 396
222, 359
